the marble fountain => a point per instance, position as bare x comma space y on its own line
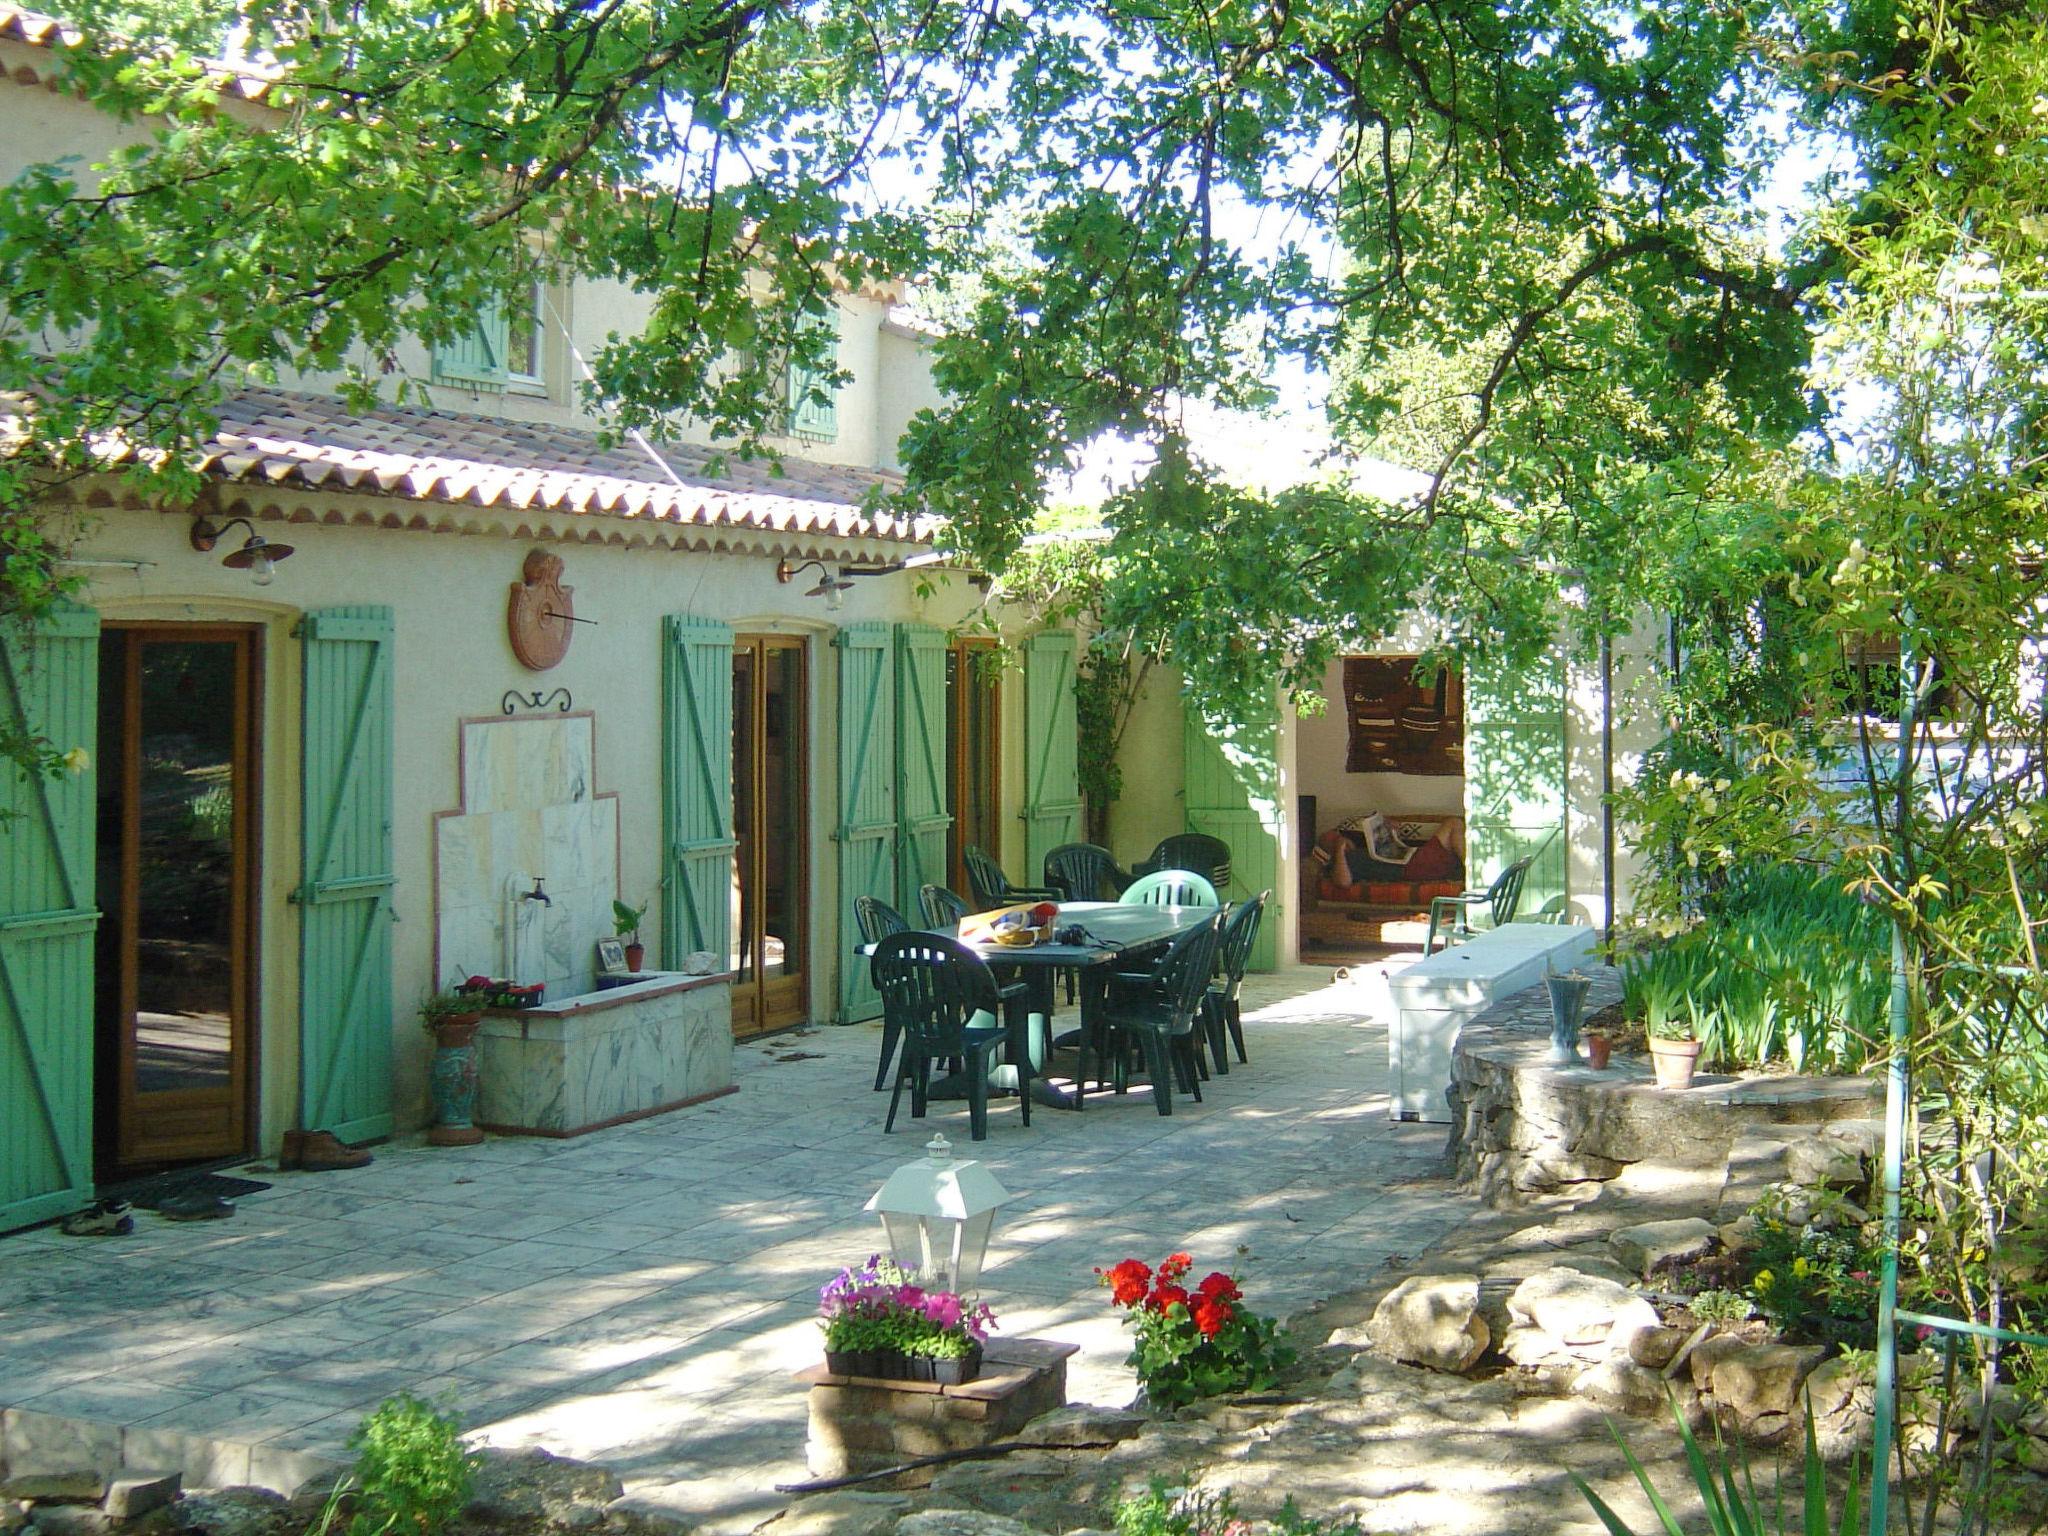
531, 824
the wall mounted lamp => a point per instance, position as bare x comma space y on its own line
258, 556
830, 587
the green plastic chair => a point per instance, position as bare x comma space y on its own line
1158, 1011
877, 920
932, 987
1206, 856
1221, 1012
1170, 888
992, 887
942, 908
1082, 871
1501, 899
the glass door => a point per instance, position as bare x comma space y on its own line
770, 828
176, 855
973, 788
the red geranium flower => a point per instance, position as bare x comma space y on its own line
1174, 1265
1218, 1287
1210, 1315
1167, 1295
1127, 1281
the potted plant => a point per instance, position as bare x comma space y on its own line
452, 1017
879, 1323
1674, 1051
626, 923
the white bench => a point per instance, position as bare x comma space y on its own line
1435, 996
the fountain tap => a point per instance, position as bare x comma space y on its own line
537, 894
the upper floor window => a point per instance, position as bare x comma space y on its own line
813, 396
504, 352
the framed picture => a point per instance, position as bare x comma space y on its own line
611, 956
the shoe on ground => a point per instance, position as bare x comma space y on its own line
103, 1218
320, 1152
196, 1208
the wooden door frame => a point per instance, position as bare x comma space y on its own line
762, 1006
244, 922
964, 649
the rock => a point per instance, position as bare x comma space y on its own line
640, 1517
1083, 1424
1822, 1163
1586, 1314
1658, 1244
80, 1487
1621, 1386
1739, 1235
1654, 1348
1865, 1136
1756, 1387
1842, 1399
72, 1520
13, 1516
961, 1522
237, 1512
1431, 1320
845, 1512
137, 1493
1707, 1354
533, 1487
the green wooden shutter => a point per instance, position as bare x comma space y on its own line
1515, 777
1232, 792
696, 780
813, 396
1052, 777
49, 688
478, 357
867, 798
344, 896
921, 817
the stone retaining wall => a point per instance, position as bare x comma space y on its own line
1520, 1127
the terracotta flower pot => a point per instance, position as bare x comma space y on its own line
1675, 1061
1597, 1048
635, 954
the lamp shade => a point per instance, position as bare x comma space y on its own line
938, 1213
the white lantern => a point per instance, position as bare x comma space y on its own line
938, 1214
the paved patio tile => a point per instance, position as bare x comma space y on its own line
641, 1295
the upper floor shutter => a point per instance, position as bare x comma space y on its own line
813, 396
477, 358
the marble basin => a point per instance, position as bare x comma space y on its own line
580, 1063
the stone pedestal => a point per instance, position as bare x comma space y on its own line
859, 1424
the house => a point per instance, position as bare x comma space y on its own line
420, 692
505, 676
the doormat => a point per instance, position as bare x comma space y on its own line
152, 1192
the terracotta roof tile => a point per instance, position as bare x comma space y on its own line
275, 437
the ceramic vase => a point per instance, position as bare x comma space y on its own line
452, 1082
1567, 1002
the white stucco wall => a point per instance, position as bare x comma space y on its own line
453, 661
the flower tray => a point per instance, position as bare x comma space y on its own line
888, 1365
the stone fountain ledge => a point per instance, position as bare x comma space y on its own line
1522, 1128
604, 1058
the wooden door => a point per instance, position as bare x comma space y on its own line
771, 827
48, 678
176, 843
